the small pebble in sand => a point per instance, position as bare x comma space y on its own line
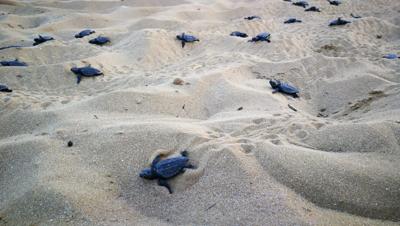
70, 144
291, 107
178, 82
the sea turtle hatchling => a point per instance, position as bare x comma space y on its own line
391, 56
186, 38
4, 88
282, 87
87, 71
14, 63
164, 169
303, 4
84, 33
239, 34
264, 36
292, 20
101, 40
338, 22
334, 2
41, 39
313, 9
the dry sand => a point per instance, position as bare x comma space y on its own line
263, 165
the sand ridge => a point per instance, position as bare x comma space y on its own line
334, 161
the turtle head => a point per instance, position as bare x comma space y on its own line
147, 174
75, 69
274, 83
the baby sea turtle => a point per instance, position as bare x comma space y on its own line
265, 36
334, 2
186, 38
164, 169
292, 20
313, 9
42, 39
4, 88
391, 56
99, 40
15, 63
87, 71
84, 33
303, 4
252, 17
339, 21
239, 34
282, 87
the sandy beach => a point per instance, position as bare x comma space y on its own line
329, 157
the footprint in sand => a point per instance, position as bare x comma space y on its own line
276, 142
294, 127
247, 148
45, 105
301, 134
65, 101
259, 120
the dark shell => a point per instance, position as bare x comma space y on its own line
99, 40
391, 56
283, 87
87, 71
301, 3
15, 62
313, 9
187, 38
339, 21
286, 88
4, 88
265, 36
170, 167
335, 2
292, 20
84, 33
239, 34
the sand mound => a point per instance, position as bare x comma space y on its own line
330, 157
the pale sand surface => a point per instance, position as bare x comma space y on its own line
263, 165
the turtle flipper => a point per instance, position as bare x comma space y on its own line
183, 43
78, 79
190, 166
275, 90
164, 183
